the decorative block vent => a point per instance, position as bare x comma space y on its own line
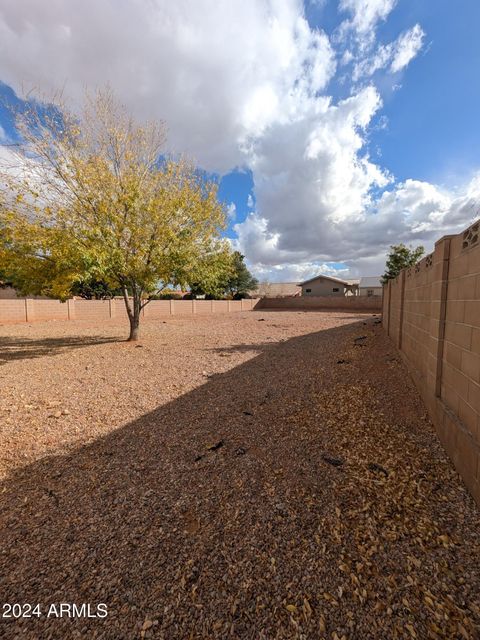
417, 268
409, 272
471, 236
429, 260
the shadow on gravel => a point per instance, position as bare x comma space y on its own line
198, 520
14, 348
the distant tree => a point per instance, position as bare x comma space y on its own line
4, 281
400, 257
89, 198
212, 275
240, 282
92, 289
224, 275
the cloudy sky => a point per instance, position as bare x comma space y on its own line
336, 127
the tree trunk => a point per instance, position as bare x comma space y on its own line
134, 327
133, 312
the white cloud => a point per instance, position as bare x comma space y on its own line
407, 47
311, 182
218, 73
396, 55
366, 13
231, 211
245, 84
413, 212
296, 272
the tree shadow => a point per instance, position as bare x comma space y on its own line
193, 515
18, 348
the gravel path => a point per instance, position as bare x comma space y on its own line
256, 475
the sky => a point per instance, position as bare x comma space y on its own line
335, 127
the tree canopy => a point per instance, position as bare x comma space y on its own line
240, 281
231, 279
92, 198
400, 257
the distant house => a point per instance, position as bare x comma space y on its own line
328, 286
370, 286
7, 293
277, 290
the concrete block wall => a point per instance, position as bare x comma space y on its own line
95, 310
157, 308
14, 310
305, 303
432, 313
40, 309
44, 309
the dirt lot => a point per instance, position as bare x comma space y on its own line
255, 475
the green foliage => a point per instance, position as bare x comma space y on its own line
212, 275
400, 257
241, 281
224, 275
92, 289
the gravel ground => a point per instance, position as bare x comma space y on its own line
256, 475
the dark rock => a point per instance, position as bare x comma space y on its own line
377, 468
335, 462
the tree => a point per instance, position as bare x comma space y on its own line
224, 275
90, 198
213, 274
400, 257
241, 281
93, 289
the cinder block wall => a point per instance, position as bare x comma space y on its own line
37, 309
432, 313
348, 303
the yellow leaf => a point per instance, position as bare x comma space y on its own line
306, 607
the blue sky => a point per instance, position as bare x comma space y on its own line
335, 127
432, 129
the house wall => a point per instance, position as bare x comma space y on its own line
323, 287
432, 313
7, 293
377, 291
40, 309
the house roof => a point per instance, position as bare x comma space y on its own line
320, 275
370, 282
275, 289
